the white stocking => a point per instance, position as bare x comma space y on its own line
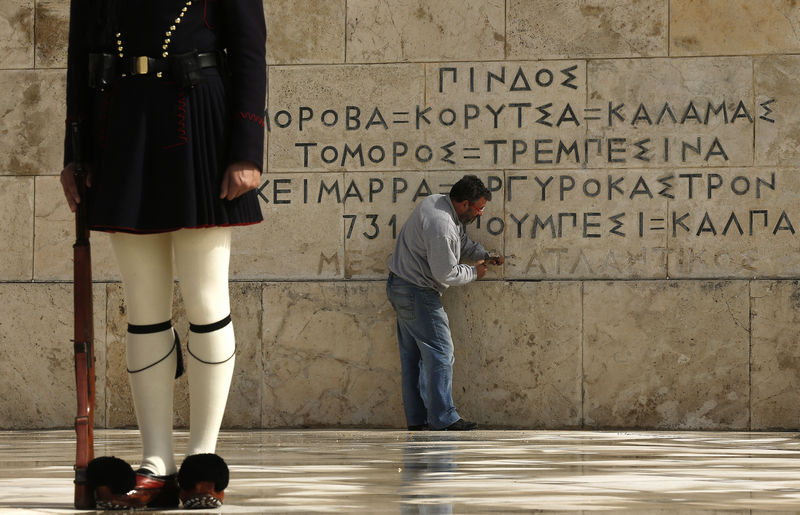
202, 257
145, 262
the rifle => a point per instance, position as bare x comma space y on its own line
84, 333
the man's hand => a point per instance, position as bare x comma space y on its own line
70, 187
496, 260
483, 265
240, 177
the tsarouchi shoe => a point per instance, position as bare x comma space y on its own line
203, 479
117, 487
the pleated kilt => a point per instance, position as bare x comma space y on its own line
159, 157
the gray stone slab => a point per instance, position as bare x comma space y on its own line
775, 357
545, 29
348, 110
16, 211
54, 235
466, 116
16, 25
407, 30
330, 356
52, 33
666, 355
576, 224
671, 112
778, 121
739, 222
305, 31
302, 234
733, 27
518, 353
36, 349
506, 115
32, 128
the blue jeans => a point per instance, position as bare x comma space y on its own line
426, 354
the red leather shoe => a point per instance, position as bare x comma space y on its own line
117, 487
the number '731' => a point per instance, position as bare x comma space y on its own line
373, 229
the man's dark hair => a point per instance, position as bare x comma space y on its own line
469, 188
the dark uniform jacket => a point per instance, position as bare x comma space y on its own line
157, 149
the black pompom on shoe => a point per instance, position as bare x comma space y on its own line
111, 472
203, 479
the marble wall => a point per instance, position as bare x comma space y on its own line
643, 158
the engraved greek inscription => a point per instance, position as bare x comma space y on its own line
496, 78
767, 110
569, 202
327, 262
562, 261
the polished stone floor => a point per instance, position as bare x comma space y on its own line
431, 472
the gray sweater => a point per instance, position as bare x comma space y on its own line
431, 244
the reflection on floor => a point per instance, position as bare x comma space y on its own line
433, 472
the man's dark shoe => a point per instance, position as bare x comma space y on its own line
460, 425
421, 427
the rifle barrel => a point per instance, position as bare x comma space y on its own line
83, 349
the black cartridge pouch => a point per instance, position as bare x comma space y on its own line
102, 70
186, 69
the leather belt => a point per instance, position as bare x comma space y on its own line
144, 65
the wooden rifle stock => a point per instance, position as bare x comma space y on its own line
84, 334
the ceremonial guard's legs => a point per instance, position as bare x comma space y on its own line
153, 354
